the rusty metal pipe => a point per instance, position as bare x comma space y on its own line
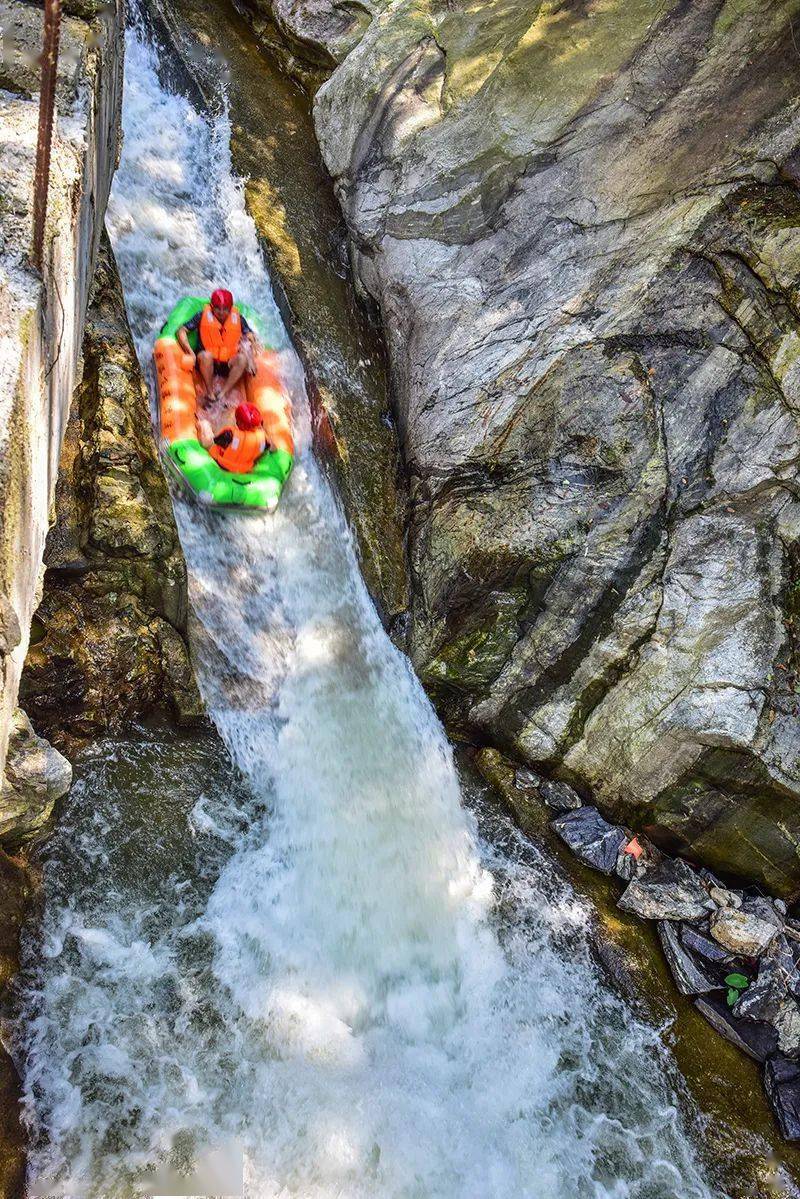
47, 99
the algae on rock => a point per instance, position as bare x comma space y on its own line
109, 644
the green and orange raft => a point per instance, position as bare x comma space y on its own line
178, 388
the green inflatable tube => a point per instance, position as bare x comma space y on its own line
194, 466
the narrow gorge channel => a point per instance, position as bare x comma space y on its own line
319, 948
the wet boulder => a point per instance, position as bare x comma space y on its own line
765, 997
670, 890
787, 1024
526, 779
763, 908
782, 1083
691, 975
560, 796
519, 793
743, 932
724, 898
36, 775
555, 794
591, 838
754, 1037
636, 857
794, 981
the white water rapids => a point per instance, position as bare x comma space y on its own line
323, 961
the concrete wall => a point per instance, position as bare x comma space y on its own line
41, 318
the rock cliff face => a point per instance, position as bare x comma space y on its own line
108, 642
581, 223
42, 317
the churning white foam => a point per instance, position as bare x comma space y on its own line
346, 987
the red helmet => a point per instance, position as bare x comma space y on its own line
221, 298
248, 416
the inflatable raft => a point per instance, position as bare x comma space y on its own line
178, 388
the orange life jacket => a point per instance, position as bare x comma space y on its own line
245, 448
221, 340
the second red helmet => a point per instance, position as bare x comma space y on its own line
221, 298
248, 416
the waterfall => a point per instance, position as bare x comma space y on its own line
322, 959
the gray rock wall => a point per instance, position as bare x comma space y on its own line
581, 224
41, 318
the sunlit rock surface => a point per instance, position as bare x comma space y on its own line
109, 641
311, 37
581, 224
41, 318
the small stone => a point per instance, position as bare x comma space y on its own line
689, 976
591, 838
651, 857
627, 865
782, 1084
787, 1024
780, 906
669, 891
742, 932
527, 779
724, 898
762, 909
560, 796
756, 1039
700, 943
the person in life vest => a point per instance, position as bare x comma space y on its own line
226, 345
236, 448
